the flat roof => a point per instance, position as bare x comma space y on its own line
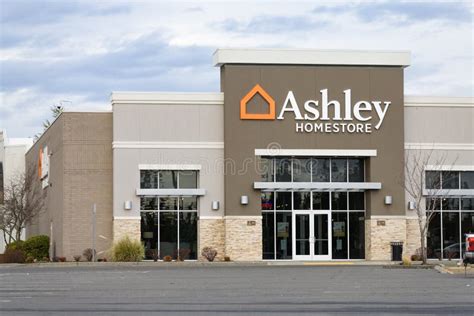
131, 97
311, 57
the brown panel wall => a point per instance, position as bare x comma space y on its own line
242, 137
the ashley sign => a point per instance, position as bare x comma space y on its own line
324, 116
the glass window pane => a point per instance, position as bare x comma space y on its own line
433, 204
267, 201
149, 233
338, 170
188, 203
283, 235
188, 235
467, 179
339, 200
283, 201
357, 235
168, 234
266, 169
467, 227
321, 234
339, 235
433, 179
188, 179
149, 179
320, 200
450, 204
149, 203
451, 237
434, 237
450, 179
467, 204
320, 169
283, 170
168, 203
356, 170
302, 234
356, 201
302, 200
301, 170
168, 179
268, 234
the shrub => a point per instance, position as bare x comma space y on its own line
77, 258
16, 245
416, 257
183, 254
167, 259
227, 258
406, 261
209, 253
128, 250
14, 256
88, 253
37, 247
29, 260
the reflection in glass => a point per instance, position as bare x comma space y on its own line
168, 234
338, 170
467, 204
168, 179
339, 201
467, 179
188, 235
433, 179
451, 245
357, 235
283, 170
356, 201
267, 201
168, 203
339, 235
148, 203
434, 237
356, 170
320, 170
283, 201
467, 227
433, 204
283, 235
188, 179
149, 233
450, 204
266, 169
268, 234
302, 234
320, 200
321, 234
188, 203
301, 170
450, 179
148, 179
302, 200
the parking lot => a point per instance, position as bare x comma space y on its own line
234, 290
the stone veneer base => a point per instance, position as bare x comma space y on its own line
126, 227
211, 233
243, 238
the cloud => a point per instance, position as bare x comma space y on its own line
271, 24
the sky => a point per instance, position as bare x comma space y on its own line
75, 53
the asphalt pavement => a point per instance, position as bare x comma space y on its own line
233, 290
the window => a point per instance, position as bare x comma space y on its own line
320, 169
467, 179
188, 179
320, 200
356, 201
356, 170
283, 200
267, 201
450, 180
302, 200
301, 170
149, 203
149, 179
168, 179
283, 170
338, 170
433, 179
339, 235
339, 201
266, 169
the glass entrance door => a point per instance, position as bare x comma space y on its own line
312, 235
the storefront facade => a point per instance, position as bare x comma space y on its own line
301, 156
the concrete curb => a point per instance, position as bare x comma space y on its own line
441, 269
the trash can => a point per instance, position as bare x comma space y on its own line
397, 250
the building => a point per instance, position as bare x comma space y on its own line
12, 164
300, 156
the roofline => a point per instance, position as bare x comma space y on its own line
435, 101
196, 98
279, 56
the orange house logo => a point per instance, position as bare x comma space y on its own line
270, 115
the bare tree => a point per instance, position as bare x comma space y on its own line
23, 201
56, 110
426, 197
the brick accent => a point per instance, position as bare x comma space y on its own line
211, 234
126, 227
243, 238
378, 237
413, 237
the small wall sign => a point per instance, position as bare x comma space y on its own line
251, 223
